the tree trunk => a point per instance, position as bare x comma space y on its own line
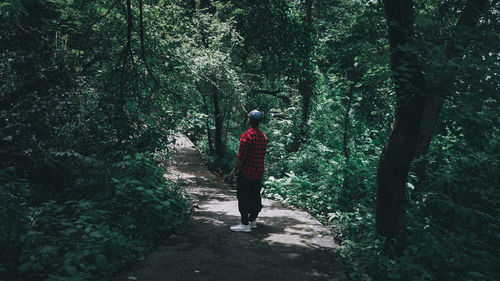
209, 132
399, 150
416, 114
126, 52
306, 81
219, 122
350, 96
436, 95
432, 107
348, 190
143, 53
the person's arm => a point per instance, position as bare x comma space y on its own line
237, 166
242, 154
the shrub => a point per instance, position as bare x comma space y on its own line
118, 211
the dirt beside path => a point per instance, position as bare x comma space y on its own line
288, 244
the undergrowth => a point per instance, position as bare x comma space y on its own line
452, 218
112, 210
452, 215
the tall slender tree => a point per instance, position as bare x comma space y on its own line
306, 77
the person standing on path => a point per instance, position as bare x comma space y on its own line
250, 169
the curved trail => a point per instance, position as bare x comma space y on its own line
288, 244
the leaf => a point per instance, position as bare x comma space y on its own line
46, 249
101, 261
96, 234
24, 267
71, 270
423, 20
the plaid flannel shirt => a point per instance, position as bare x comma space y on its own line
253, 144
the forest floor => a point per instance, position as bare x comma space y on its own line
288, 244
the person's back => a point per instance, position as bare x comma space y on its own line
252, 152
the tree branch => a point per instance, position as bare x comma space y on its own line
272, 93
143, 55
267, 92
89, 27
126, 51
468, 18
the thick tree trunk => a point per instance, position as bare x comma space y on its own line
400, 147
416, 114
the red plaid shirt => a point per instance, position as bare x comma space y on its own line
253, 144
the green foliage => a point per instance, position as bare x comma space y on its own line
89, 96
451, 217
80, 120
194, 126
452, 225
460, 203
110, 221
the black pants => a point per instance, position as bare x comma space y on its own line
249, 200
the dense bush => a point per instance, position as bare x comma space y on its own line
452, 218
113, 214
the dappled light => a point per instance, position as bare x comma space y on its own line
290, 241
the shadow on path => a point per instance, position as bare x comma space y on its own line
288, 244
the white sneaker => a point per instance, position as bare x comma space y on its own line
241, 228
253, 224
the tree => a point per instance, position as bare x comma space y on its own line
209, 60
436, 91
305, 76
417, 109
400, 147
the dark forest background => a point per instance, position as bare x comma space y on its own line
383, 120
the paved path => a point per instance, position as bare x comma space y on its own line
287, 245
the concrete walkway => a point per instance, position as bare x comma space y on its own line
287, 245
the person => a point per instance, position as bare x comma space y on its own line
250, 169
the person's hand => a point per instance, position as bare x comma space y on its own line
233, 173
